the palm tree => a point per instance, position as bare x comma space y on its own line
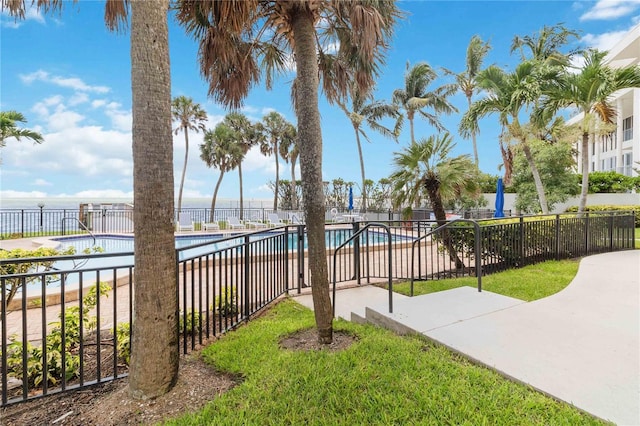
190, 116
221, 151
466, 81
589, 90
289, 152
510, 95
154, 331
277, 131
426, 166
9, 128
415, 97
240, 39
545, 45
246, 136
368, 111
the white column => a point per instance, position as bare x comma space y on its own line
620, 114
636, 128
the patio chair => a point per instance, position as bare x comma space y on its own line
253, 224
234, 223
184, 222
274, 220
208, 226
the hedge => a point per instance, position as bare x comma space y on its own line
611, 208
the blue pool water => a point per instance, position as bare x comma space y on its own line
123, 244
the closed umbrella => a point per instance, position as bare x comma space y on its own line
350, 198
499, 199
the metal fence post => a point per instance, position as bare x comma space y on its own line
557, 244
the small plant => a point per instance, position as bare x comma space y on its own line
123, 337
193, 322
56, 345
226, 303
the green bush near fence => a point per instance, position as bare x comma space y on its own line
507, 243
610, 208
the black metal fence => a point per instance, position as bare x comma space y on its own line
63, 331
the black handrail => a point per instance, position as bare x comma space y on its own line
476, 244
82, 225
390, 264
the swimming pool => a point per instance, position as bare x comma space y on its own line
209, 242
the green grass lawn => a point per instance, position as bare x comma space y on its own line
381, 379
637, 238
529, 283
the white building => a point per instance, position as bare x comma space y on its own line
620, 150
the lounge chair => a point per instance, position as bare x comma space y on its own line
274, 220
253, 224
184, 222
207, 226
234, 223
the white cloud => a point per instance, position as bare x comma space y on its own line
42, 182
67, 82
603, 41
98, 103
22, 194
610, 9
78, 98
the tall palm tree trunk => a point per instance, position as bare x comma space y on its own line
585, 174
310, 140
215, 196
542, 198
184, 167
275, 195
433, 189
474, 139
410, 118
364, 188
240, 183
154, 330
294, 193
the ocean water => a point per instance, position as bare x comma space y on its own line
74, 202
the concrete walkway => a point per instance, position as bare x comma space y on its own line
581, 345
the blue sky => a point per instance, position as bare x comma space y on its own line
70, 77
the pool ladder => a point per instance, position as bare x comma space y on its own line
82, 225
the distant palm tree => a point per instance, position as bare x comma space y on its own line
415, 98
545, 46
221, 151
289, 152
466, 81
277, 130
10, 129
365, 110
589, 90
246, 135
190, 116
425, 166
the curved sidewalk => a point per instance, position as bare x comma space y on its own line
581, 345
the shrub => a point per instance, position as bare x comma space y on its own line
193, 323
226, 303
123, 338
609, 208
54, 345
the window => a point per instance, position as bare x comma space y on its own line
627, 161
627, 129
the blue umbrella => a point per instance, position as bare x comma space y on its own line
350, 198
499, 199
